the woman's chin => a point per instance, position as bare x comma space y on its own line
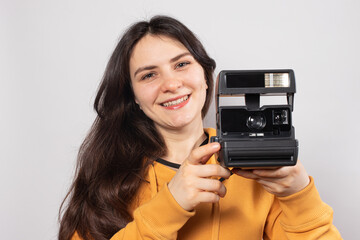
183, 122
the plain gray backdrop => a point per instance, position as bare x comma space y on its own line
53, 55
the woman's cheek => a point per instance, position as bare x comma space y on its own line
147, 95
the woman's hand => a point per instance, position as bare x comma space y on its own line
281, 182
193, 183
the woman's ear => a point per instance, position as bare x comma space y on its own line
206, 82
137, 102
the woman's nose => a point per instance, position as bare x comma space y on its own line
171, 83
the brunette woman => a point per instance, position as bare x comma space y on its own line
147, 171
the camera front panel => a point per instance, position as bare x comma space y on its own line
254, 134
270, 121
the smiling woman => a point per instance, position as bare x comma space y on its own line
168, 83
147, 170
118, 154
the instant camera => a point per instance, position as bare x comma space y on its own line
256, 134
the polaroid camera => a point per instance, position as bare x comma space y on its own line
252, 132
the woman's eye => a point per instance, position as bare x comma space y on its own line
182, 64
147, 76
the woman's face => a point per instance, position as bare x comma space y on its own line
168, 83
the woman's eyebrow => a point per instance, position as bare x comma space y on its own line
174, 59
144, 69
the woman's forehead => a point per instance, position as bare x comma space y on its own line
154, 50
151, 43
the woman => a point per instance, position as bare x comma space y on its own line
147, 171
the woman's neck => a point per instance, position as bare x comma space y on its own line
181, 142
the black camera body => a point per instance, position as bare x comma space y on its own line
250, 135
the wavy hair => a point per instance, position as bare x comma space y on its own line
113, 159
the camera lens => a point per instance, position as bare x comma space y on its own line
256, 122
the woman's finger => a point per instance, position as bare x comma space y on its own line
211, 185
245, 173
212, 170
273, 173
264, 173
202, 154
208, 197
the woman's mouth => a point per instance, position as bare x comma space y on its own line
177, 103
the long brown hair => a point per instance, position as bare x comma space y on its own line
110, 165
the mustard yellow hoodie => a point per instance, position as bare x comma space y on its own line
246, 212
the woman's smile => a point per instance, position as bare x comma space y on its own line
176, 103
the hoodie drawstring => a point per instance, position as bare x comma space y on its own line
153, 181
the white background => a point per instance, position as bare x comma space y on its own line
53, 55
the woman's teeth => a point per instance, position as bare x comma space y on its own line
175, 102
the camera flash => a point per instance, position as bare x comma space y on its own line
277, 80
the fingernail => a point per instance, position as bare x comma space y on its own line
215, 145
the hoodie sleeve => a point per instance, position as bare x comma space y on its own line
160, 218
302, 215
